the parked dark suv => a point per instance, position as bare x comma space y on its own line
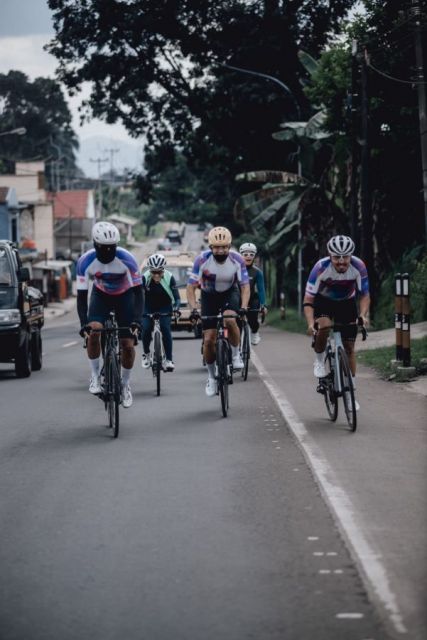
21, 314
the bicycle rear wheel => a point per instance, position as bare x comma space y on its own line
113, 395
222, 361
330, 396
157, 361
347, 389
246, 350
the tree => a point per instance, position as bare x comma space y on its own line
157, 67
40, 107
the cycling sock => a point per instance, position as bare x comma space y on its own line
126, 375
235, 350
320, 357
94, 365
211, 370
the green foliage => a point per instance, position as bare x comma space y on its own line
414, 263
292, 322
40, 107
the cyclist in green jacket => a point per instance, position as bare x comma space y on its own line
248, 252
162, 296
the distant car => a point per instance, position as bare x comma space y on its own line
174, 236
164, 244
201, 226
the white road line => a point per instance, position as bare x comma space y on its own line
69, 344
373, 570
349, 616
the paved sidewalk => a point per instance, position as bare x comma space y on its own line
374, 480
58, 309
387, 337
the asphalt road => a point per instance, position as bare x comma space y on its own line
189, 526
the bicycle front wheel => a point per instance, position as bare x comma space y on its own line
222, 362
157, 361
113, 395
330, 396
246, 350
347, 389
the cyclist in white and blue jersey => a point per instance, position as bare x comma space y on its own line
257, 300
332, 288
117, 286
222, 276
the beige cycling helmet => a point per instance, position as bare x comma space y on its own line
219, 236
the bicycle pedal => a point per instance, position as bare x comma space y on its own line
321, 389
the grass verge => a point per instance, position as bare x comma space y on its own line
292, 322
379, 359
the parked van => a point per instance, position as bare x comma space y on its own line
21, 314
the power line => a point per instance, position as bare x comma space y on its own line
389, 77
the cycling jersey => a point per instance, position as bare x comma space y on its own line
113, 278
160, 294
325, 280
213, 276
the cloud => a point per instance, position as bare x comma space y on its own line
26, 54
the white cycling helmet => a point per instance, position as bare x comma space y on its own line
156, 262
105, 233
248, 247
341, 246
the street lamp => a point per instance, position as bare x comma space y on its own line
20, 131
298, 110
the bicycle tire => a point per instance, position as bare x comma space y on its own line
330, 395
113, 395
347, 389
157, 361
246, 350
222, 361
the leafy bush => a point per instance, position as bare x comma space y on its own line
413, 262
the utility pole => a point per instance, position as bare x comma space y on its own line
354, 133
422, 101
99, 162
111, 151
365, 196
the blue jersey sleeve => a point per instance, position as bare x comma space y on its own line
362, 280
260, 287
128, 259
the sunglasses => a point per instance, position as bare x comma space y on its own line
247, 254
156, 271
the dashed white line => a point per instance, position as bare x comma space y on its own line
349, 616
69, 344
373, 570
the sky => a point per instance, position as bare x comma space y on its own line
25, 27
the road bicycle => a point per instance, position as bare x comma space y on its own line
338, 382
223, 363
111, 382
245, 341
158, 356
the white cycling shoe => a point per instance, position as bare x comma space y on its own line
169, 365
95, 385
146, 361
255, 338
319, 369
210, 388
127, 396
238, 362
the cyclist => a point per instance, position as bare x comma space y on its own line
117, 287
256, 281
162, 296
219, 272
331, 295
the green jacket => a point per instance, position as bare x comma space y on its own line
165, 282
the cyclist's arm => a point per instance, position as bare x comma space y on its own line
260, 287
82, 306
308, 306
245, 292
138, 305
191, 295
364, 304
175, 292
